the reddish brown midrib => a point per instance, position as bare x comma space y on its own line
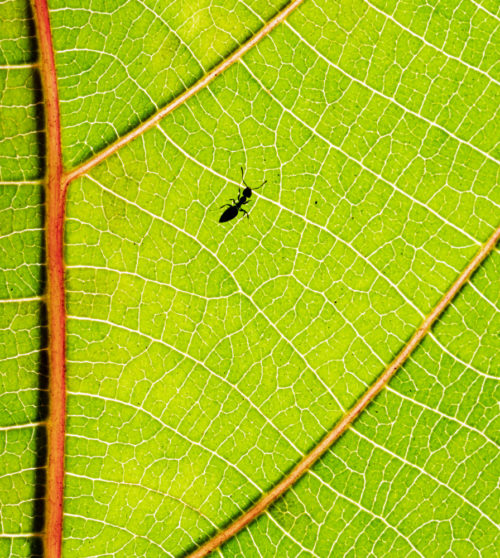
56, 314
57, 376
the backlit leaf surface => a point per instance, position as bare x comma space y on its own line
205, 359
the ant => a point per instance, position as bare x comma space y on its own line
243, 198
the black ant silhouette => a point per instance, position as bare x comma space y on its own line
243, 198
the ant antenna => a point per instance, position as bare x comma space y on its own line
243, 181
243, 178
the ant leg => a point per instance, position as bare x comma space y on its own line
245, 212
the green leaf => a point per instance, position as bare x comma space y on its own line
205, 359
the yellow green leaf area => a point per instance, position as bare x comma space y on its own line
236, 346
205, 358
